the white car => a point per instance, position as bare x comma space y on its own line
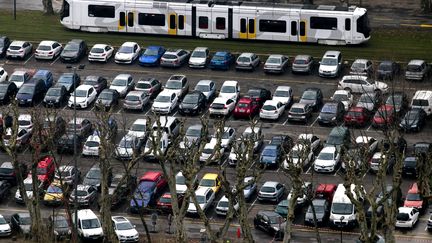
122, 83
222, 206
343, 96
222, 106
407, 217
127, 53
181, 183
284, 94
305, 191
19, 49
100, 53
3, 75
209, 150
48, 50
300, 153
377, 161
83, 96
138, 128
91, 146
227, 137
177, 84
272, 110
5, 229
330, 64
327, 160
362, 67
152, 152
207, 87
19, 77
124, 230
370, 144
25, 122
257, 136
28, 186
362, 84
165, 102
127, 146
247, 61
199, 57
230, 90
311, 140
205, 197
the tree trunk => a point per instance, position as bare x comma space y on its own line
48, 7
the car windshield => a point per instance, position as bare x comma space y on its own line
274, 60
138, 127
143, 85
394, 100
208, 182
80, 93
41, 170
208, 151
281, 93
90, 223
125, 143
295, 154
3, 88
106, 96
269, 108
125, 49
329, 61
228, 89
27, 89
151, 52
61, 223
163, 98
223, 204
331, 109
414, 68
269, 152
180, 180
92, 144
296, 110
173, 85
243, 59
203, 88
169, 56
6, 170
65, 79
54, 189
124, 226
218, 58
44, 48
410, 162
119, 82
402, 217
16, 78
97, 50
357, 65
325, 156
366, 99
3, 220
243, 105
190, 99
340, 97
385, 67
335, 140
64, 173
24, 122
342, 208
193, 132
14, 48
309, 95
94, 174
71, 47
200, 199
412, 115
318, 209
300, 61
54, 92
132, 98
414, 197
267, 189
199, 54
354, 113
25, 220
90, 81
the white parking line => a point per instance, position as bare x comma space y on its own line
64, 108
253, 203
28, 59
175, 113
118, 112
55, 60
336, 172
252, 165
308, 171
314, 122
368, 128
147, 112
285, 122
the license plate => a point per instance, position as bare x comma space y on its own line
242, 111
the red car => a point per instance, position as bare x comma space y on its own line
164, 203
150, 185
414, 199
45, 170
356, 116
326, 191
384, 116
246, 108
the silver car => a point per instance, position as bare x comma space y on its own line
303, 64
174, 58
247, 61
276, 64
136, 100
417, 70
207, 87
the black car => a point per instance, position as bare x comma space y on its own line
332, 113
121, 188
107, 99
56, 96
73, 51
193, 103
7, 172
259, 94
387, 70
322, 212
393, 193
21, 222
98, 82
31, 93
66, 143
414, 120
284, 141
8, 90
409, 168
5, 188
83, 127
4, 45
313, 97
399, 143
59, 226
70, 81
94, 177
399, 100
422, 148
270, 222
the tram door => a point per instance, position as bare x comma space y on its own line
126, 21
247, 28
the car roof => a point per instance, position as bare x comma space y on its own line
84, 87
247, 54
129, 43
17, 43
64, 168
363, 139
140, 121
330, 104
173, 51
405, 209
221, 53
100, 46
422, 94
249, 129
272, 102
136, 93
305, 136
205, 82
47, 43
210, 176
414, 188
42, 72
7, 165
230, 83
44, 162
329, 149
82, 187
302, 57
119, 219
201, 49
270, 183
299, 105
93, 137
286, 88
86, 214
357, 109
332, 53
123, 76
245, 100
268, 213
363, 61
25, 117
154, 47
341, 91
416, 62
151, 176
355, 77
19, 72
176, 77
202, 191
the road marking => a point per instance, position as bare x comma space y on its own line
308, 171
426, 228
253, 203
118, 112
64, 108
426, 25
252, 165
336, 172
147, 112
55, 60
28, 59
369, 128
314, 122
285, 122
175, 113
381, 19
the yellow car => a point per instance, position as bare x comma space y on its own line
211, 180
54, 194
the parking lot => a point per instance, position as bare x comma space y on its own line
246, 81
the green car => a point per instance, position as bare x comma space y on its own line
282, 208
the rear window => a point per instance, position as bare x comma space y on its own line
419, 102
217, 106
414, 68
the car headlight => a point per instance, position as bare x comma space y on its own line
319, 117
275, 228
29, 100
334, 118
55, 232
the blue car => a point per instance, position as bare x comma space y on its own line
271, 155
151, 56
221, 60
46, 76
142, 196
70, 81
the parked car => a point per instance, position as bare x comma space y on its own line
332, 113
178, 84
384, 117
207, 87
94, 177
83, 127
222, 106
204, 197
181, 186
56, 97
122, 83
399, 101
284, 141
303, 64
415, 199
362, 67
165, 102
377, 161
150, 185
121, 187
100, 53
127, 53
174, 58
271, 191
74, 51
60, 226
370, 101
231, 90
211, 180
164, 203
67, 174
331, 64
82, 97
343, 96
48, 50
271, 155
362, 84
19, 49
124, 229
138, 129
250, 187
283, 94
247, 61
221, 60
5, 227
407, 217
272, 110
194, 102
8, 90
21, 222
19, 76
107, 99
313, 97
387, 70
260, 95
54, 194
311, 140
151, 86
414, 120
271, 223
86, 195
210, 150
99, 83
31, 93
299, 112
151, 56
91, 146
199, 57
4, 45
136, 100
276, 64
222, 206
65, 143
300, 154
322, 212
127, 147
418, 70
7, 172
45, 75
357, 116
246, 108
5, 188
327, 160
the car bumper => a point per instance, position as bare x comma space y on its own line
44, 57
160, 111
241, 67
197, 65
238, 114
4, 233
69, 59
218, 112
327, 122
123, 61
297, 118
414, 77
300, 70
52, 202
97, 59
148, 64
269, 116
15, 55
219, 67
90, 152
327, 75
51, 104
267, 198
23, 102
188, 111
133, 107
173, 65
78, 105
407, 224
343, 224
327, 169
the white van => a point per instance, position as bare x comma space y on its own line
169, 124
423, 99
343, 212
149, 152
89, 226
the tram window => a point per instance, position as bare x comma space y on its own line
101, 11
302, 28
347, 24
243, 25
220, 23
294, 28
151, 19
324, 23
130, 21
122, 19
181, 22
272, 26
203, 22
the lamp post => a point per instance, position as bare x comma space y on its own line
341, 219
75, 229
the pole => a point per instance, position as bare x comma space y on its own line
341, 219
75, 161
14, 9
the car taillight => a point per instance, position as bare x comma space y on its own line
151, 90
275, 112
225, 107
21, 50
176, 61
104, 54
50, 53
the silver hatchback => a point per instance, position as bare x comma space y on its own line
303, 64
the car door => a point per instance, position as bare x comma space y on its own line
130, 83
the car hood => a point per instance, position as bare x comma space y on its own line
124, 151
24, 96
381, 85
409, 122
142, 199
25, 228
161, 104
119, 89
4, 227
188, 105
327, 116
192, 206
197, 60
127, 233
327, 68
310, 102
268, 159
95, 231
123, 56
69, 53
104, 102
319, 216
320, 162
149, 59
90, 181
368, 106
283, 100
181, 188
228, 95
51, 98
